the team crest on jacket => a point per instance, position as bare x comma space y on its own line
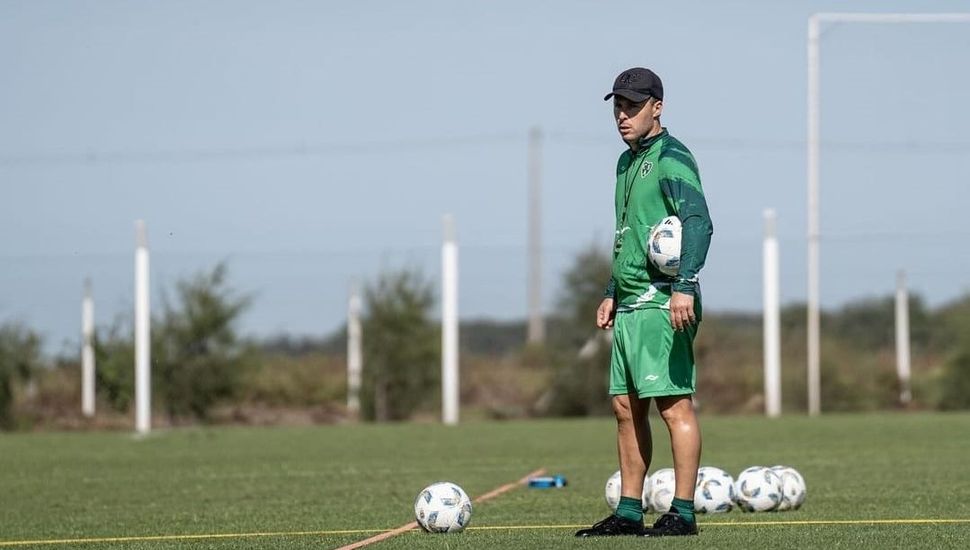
645, 169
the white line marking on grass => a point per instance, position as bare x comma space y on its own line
405, 528
509, 486
157, 538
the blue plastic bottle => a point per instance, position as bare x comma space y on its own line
547, 482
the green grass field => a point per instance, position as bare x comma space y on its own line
360, 480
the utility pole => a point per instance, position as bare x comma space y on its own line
537, 329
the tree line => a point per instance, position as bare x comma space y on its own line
204, 371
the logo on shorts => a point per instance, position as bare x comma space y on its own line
651, 377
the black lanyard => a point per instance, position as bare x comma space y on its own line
627, 193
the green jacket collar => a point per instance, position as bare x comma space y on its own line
646, 142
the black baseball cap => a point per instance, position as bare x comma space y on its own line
637, 84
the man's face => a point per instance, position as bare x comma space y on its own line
635, 120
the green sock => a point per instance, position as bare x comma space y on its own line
685, 508
630, 508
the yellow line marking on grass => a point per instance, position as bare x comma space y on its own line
902, 521
150, 538
156, 538
407, 527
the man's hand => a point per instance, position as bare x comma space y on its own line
606, 313
681, 311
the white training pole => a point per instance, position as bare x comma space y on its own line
814, 32
142, 334
449, 324
902, 339
354, 354
87, 352
772, 319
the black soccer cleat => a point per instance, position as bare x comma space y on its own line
613, 526
671, 524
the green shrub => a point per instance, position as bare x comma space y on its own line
304, 380
114, 375
197, 357
401, 347
19, 357
955, 382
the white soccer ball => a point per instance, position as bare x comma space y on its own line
714, 492
758, 489
663, 246
793, 487
613, 492
662, 489
443, 507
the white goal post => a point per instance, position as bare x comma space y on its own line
814, 32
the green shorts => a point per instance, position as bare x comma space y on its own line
649, 357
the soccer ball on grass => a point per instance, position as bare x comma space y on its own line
793, 488
612, 492
443, 507
662, 489
758, 489
715, 491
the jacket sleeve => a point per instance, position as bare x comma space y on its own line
681, 186
610, 291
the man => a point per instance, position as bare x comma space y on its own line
654, 317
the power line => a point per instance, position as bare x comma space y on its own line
181, 156
177, 156
910, 146
932, 236
316, 252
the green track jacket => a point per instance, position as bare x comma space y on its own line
659, 180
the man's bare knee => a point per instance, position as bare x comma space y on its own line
674, 410
622, 409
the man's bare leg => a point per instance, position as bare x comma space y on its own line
685, 440
633, 442
634, 447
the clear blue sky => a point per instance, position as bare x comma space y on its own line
312, 143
